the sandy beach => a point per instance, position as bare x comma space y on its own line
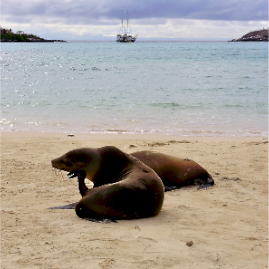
228, 223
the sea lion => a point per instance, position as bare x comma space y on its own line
175, 172
124, 187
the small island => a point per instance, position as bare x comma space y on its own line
259, 35
7, 35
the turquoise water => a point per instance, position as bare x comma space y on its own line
176, 88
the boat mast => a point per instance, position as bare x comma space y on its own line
127, 20
122, 18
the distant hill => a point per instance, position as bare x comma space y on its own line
259, 35
7, 35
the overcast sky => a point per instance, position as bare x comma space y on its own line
97, 19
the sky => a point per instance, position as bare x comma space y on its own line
150, 19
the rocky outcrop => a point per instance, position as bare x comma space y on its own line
7, 35
260, 35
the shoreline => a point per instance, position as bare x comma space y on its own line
131, 136
227, 223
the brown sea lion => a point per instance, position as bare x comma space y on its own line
124, 187
175, 172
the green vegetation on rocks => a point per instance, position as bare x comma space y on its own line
7, 35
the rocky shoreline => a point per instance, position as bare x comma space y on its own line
43, 40
259, 35
7, 35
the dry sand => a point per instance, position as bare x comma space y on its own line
227, 223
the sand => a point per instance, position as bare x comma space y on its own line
228, 223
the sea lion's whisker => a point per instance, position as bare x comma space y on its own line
57, 172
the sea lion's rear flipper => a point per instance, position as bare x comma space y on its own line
204, 184
87, 214
171, 188
100, 220
69, 206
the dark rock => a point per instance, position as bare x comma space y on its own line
259, 35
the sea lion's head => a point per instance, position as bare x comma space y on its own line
83, 159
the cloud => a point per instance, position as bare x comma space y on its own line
83, 19
169, 28
94, 11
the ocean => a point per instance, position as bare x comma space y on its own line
168, 88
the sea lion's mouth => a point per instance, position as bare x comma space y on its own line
61, 165
77, 173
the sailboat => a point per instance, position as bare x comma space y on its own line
125, 34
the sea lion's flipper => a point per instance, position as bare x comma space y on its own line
204, 184
81, 183
101, 220
170, 188
87, 214
69, 206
